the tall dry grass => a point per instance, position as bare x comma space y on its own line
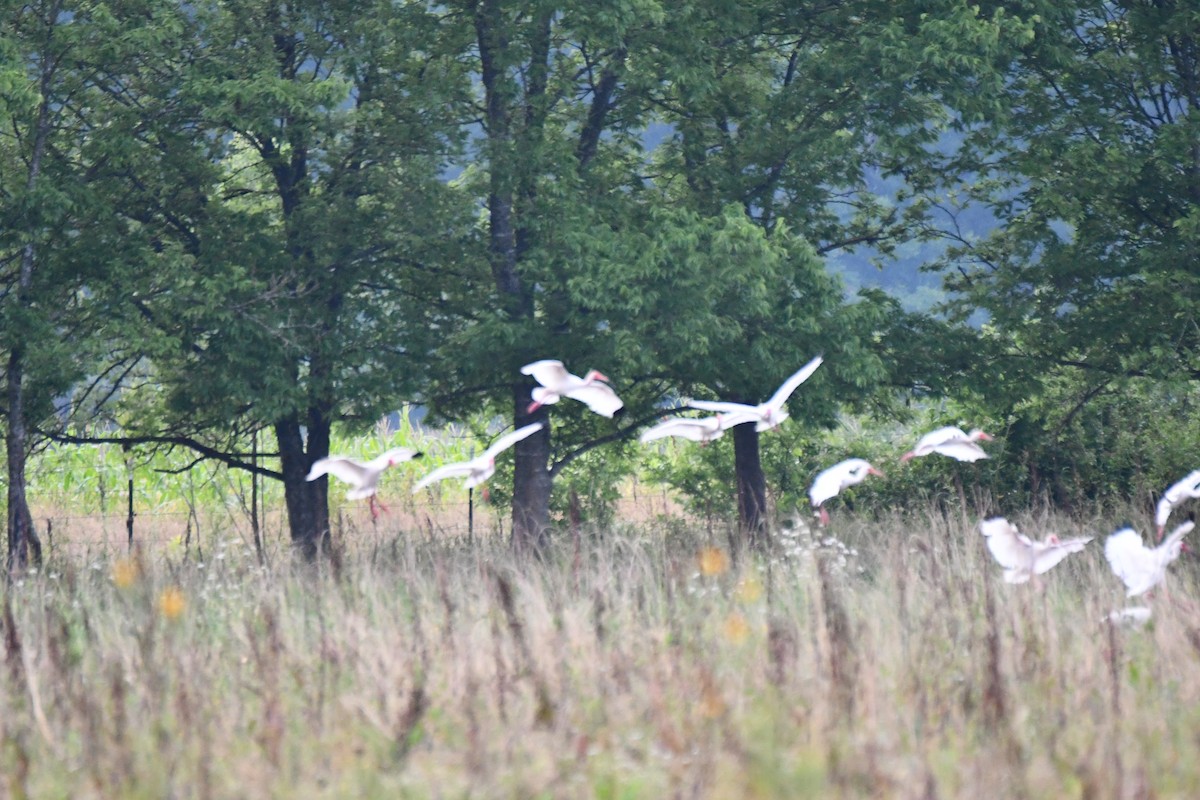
889, 661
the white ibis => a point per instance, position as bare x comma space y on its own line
480, 468
362, 477
591, 390
1021, 557
1139, 567
829, 482
702, 430
950, 441
768, 414
1186, 489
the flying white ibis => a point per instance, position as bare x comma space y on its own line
362, 477
1021, 557
829, 482
592, 389
768, 414
702, 430
950, 441
480, 468
1186, 489
1139, 567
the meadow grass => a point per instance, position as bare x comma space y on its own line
880, 658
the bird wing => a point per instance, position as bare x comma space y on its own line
445, 471
1169, 549
599, 397
787, 387
938, 437
340, 467
1048, 555
775, 422
693, 429
961, 450
1163, 511
1188, 486
549, 372
850, 472
826, 485
722, 407
1131, 560
731, 419
508, 440
393, 456
1005, 543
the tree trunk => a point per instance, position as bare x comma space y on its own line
21, 535
751, 485
531, 476
531, 479
22, 538
307, 501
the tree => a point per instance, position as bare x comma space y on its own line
1089, 280
557, 160
792, 114
55, 224
723, 307
302, 222
28, 110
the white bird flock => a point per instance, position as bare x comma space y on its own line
1139, 567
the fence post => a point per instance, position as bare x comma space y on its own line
129, 473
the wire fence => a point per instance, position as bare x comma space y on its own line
169, 530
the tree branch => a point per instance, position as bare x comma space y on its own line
616, 436
233, 460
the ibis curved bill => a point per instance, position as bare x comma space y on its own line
592, 389
363, 477
482, 467
830, 482
1021, 557
771, 413
952, 442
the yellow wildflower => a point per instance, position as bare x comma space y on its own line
125, 573
713, 561
171, 603
736, 628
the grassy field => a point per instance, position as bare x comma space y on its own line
888, 662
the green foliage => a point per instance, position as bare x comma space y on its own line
1090, 275
243, 216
